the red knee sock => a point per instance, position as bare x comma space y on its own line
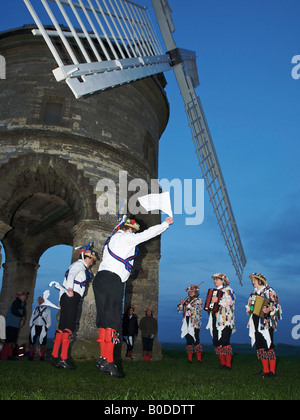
109, 344
219, 352
272, 363
101, 340
227, 351
31, 350
65, 344
57, 342
199, 356
265, 364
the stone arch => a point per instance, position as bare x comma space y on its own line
42, 199
45, 175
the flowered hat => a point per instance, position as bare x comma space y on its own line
222, 277
86, 251
90, 254
192, 288
132, 223
258, 276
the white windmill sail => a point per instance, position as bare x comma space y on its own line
98, 44
184, 66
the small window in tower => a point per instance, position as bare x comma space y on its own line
53, 112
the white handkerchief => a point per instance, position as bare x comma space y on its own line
157, 202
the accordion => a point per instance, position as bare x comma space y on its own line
210, 306
259, 304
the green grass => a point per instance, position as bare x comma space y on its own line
170, 379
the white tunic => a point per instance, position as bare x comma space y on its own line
123, 245
77, 271
43, 321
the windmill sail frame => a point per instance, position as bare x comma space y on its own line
103, 43
187, 79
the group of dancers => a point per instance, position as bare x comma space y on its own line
116, 265
263, 310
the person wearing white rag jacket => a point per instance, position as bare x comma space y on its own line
39, 324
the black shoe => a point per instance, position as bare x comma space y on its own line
260, 373
221, 367
65, 364
53, 360
99, 362
110, 368
271, 375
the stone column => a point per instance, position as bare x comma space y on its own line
4, 228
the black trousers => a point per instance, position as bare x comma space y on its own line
38, 330
69, 311
147, 343
108, 291
189, 339
225, 336
260, 342
12, 334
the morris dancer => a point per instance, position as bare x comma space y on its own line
222, 323
261, 330
39, 324
74, 285
191, 322
108, 285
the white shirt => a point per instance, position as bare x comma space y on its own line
76, 272
123, 245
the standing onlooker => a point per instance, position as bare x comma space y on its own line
39, 324
148, 327
15, 319
130, 329
191, 322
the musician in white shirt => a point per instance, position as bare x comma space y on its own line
114, 271
39, 324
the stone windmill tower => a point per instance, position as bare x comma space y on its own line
54, 149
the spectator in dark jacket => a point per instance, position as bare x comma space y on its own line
130, 329
15, 319
148, 327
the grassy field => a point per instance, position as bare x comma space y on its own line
171, 379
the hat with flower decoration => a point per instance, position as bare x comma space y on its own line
258, 276
132, 223
192, 288
222, 277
